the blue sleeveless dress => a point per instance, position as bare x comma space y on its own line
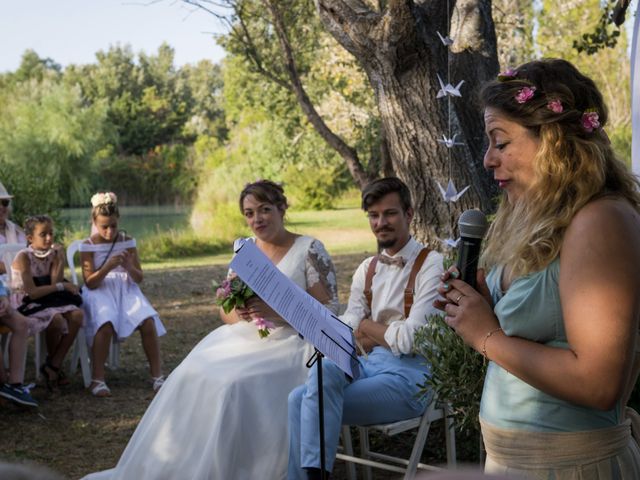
531, 309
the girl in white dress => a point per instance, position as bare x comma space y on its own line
222, 413
113, 302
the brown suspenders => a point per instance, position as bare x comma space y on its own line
409, 289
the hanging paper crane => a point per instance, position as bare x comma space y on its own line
449, 89
451, 194
446, 41
450, 242
450, 142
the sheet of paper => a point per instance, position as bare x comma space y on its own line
303, 312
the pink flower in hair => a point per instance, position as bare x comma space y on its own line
525, 94
590, 120
555, 106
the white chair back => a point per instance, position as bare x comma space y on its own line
8, 252
72, 249
80, 355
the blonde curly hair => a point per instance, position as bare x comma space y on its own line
573, 166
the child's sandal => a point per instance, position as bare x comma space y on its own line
157, 382
100, 389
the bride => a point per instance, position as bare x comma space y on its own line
222, 413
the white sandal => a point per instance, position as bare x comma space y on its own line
157, 382
100, 389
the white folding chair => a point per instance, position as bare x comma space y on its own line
8, 252
409, 467
81, 350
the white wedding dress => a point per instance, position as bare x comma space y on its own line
222, 413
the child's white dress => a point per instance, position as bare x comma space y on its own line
118, 299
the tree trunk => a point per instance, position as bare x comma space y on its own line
401, 53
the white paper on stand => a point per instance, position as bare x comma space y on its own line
308, 316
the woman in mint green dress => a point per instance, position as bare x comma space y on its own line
557, 315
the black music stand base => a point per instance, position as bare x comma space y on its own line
317, 359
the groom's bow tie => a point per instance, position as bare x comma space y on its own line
395, 261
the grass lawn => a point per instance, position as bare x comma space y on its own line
343, 231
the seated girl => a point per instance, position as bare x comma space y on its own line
49, 303
113, 302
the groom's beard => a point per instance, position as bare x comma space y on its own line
382, 244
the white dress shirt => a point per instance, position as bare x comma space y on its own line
387, 305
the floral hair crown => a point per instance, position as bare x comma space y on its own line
103, 198
590, 119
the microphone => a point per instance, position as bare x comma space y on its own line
472, 225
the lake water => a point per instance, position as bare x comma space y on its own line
139, 222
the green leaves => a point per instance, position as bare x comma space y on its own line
457, 371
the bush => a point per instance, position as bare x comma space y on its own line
457, 377
31, 195
216, 215
174, 244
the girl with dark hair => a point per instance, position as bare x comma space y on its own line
557, 316
113, 301
49, 302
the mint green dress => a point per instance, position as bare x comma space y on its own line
531, 309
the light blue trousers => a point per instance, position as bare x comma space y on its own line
386, 391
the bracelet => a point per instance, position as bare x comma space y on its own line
484, 343
60, 286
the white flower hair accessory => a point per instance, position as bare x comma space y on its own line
103, 198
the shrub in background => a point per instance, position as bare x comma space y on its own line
178, 244
32, 194
216, 215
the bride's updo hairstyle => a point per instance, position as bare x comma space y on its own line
265, 191
574, 165
105, 204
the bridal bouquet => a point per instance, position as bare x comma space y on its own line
232, 293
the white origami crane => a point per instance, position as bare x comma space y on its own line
450, 142
449, 89
451, 194
450, 242
446, 41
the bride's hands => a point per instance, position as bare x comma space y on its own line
255, 307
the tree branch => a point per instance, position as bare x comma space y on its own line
349, 22
348, 153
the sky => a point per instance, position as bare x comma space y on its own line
72, 31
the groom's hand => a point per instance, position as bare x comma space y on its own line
364, 340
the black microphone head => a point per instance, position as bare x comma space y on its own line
472, 224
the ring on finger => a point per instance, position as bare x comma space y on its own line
457, 300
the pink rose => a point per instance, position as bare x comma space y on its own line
525, 94
264, 326
590, 121
555, 106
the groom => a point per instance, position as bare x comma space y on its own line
391, 296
